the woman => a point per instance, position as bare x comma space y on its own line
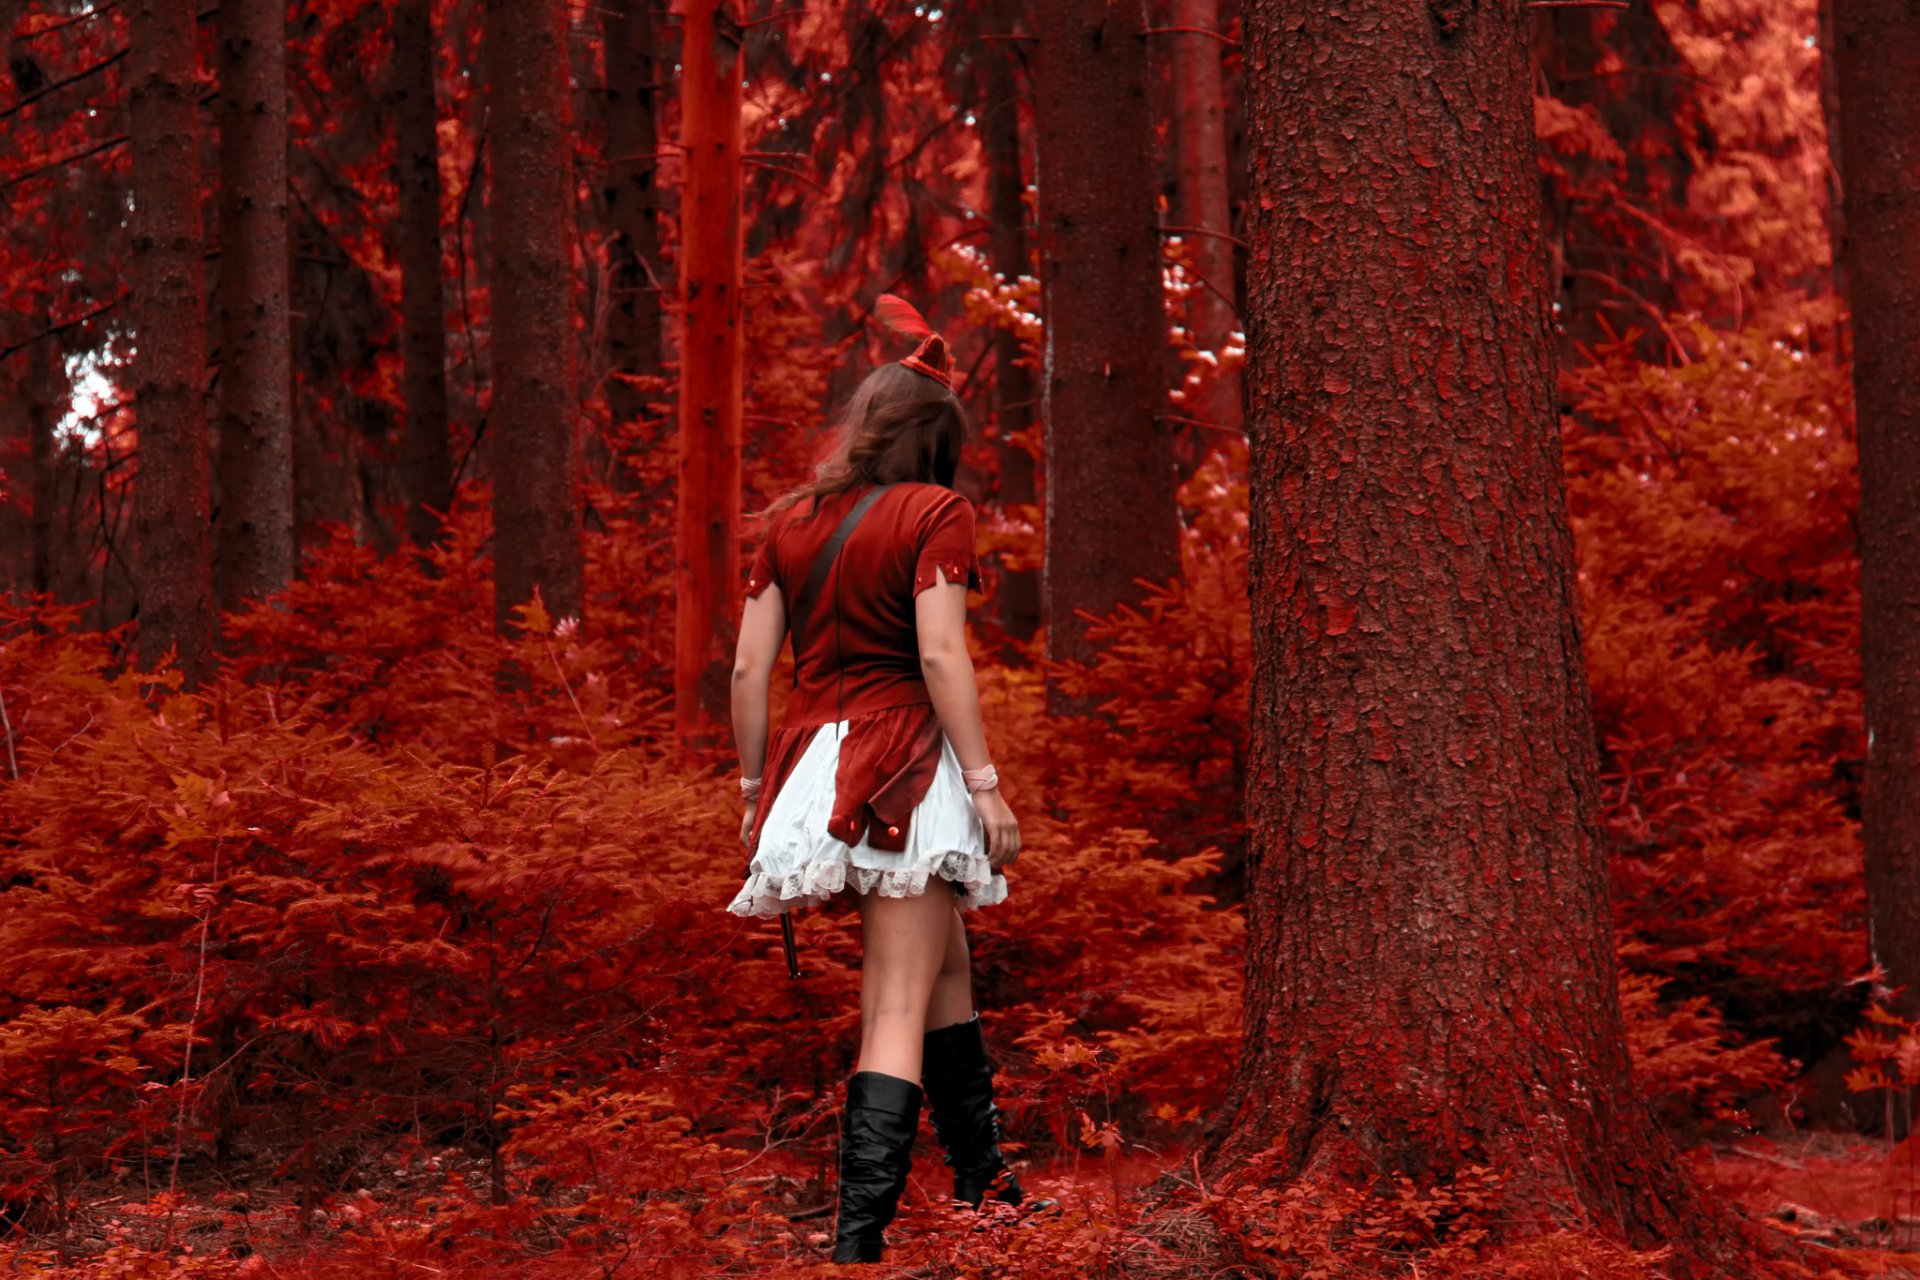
878, 788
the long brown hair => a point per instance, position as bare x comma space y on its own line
899, 426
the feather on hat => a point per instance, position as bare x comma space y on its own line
931, 357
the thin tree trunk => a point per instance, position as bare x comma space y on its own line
426, 462
633, 322
1013, 385
254, 556
1110, 513
1877, 46
1836, 166
536, 520
173, 546
707, 554
1199, 128
45, 381
1430, 956
1613, 275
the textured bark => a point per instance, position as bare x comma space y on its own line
707, 533
633, 319
426, 462
1110, 512
1430, 958
1877, 45
1014, 393
536, 521
173, 547
1199, 136
254, 552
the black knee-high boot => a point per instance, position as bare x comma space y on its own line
959, 1087
876, 1149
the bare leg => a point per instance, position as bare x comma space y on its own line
952, 1000
904, 942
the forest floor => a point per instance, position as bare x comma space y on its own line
1839, 1191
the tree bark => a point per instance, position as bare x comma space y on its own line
1430, 958
44, 383
1877, 45
426, 462
1110, 512
254, 555
1199, 129
536, 520
707, 534
173, 545
1014, 394
633, 321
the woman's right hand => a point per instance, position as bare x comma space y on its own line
1003, 832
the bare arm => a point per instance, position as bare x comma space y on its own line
763, 627
940, 615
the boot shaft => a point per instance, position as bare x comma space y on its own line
881, 1119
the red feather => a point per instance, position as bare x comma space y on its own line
899, 315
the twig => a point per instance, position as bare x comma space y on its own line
186, 1063
29, 99
63, 326
1228, 41
13, 765
1202, 231
108, 7
63, 161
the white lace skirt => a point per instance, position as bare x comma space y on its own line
799, 864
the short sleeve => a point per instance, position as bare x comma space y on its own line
763, 570
948, 544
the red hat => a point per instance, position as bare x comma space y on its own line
931, 357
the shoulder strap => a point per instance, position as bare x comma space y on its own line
802, 603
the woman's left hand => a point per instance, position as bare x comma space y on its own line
746, 823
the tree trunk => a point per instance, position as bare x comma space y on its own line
633, 321
707, 554
1013, 391
1430, 957
426, 462
1110, 512
536, 521
254, 557
1877, 45
173, 547
46, 382
1199, 129
1613, 273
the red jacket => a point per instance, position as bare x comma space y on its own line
860, 658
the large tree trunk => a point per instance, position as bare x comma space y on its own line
1877, 47
1018, 599
173, 547
707, 553
633, 319
536, 521
1200, 209
1430, 957
426, 462
254, 556
1110, 511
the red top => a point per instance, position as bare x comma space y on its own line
867, 670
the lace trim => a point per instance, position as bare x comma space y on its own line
814, 882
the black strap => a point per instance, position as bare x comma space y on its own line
802, 602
